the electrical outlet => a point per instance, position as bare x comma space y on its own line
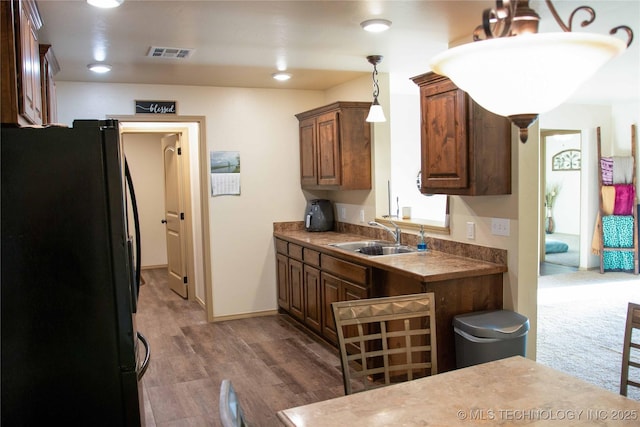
471, 230
500, 226
361, 215
343, 213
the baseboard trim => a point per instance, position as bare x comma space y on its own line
151, 267
245, 315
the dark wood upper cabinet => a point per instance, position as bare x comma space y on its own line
48, 68
26, 80
335, 147
465, 149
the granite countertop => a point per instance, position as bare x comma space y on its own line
512, 391
425, 267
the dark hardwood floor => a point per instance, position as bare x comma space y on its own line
272, 364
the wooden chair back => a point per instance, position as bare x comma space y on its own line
386, 340
631, 349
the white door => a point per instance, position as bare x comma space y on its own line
174, 214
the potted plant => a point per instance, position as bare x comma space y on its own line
549, 199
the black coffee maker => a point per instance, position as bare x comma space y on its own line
319, 215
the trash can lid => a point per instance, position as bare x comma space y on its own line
492, 324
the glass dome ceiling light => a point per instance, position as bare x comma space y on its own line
516, 72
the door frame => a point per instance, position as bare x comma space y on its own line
147, 126
544, 133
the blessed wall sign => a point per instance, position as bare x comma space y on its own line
156, 107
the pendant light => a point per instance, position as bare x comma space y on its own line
512, 70
375, 112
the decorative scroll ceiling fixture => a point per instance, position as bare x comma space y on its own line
515, 72
375, 112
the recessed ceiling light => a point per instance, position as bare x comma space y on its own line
99, 68
105, 4
376, 25
280, 76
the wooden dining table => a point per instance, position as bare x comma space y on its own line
512, 391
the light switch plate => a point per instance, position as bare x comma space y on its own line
500, 226
471, 230
361, 215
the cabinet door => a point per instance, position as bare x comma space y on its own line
308, 152
330, 293
334, 290
349, 292
296, 297
50, 101
48, 67
30, 95
282, 276
353, 292
329, 162
445, 161
312, 304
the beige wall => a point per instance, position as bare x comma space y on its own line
261, 125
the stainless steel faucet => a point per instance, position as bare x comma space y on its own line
396, 234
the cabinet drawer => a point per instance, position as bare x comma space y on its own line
282, 247
352, 272
295, 251
311, 257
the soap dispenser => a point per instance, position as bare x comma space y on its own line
422, 245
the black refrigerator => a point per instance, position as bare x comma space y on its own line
70, 350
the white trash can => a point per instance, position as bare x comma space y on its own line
484, 336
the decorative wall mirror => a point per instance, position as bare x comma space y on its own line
567, 160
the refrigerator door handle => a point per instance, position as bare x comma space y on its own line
136, 221
147, 356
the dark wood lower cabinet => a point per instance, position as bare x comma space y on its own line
452, 297
310, 281
335, 289
312, 298
296, 304
282, 271
330, 293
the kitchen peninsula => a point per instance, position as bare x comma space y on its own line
312, 274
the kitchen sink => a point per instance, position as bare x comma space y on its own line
374, 247
355, 246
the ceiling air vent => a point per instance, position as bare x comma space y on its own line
169, 52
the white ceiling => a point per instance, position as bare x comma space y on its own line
241, 43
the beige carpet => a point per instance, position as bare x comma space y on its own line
581, 320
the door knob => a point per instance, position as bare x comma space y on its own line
164, 221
